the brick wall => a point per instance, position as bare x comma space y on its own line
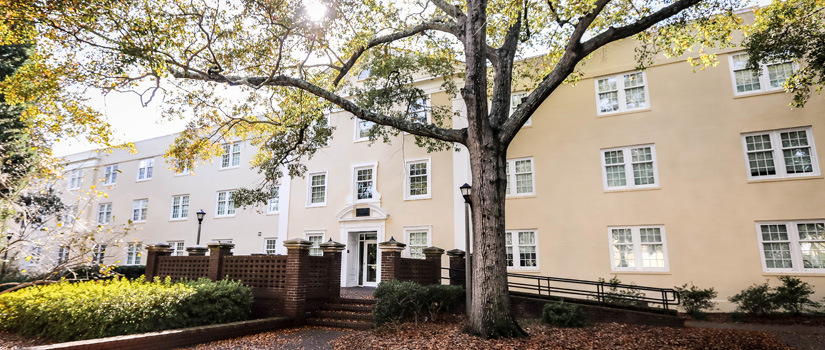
526, 307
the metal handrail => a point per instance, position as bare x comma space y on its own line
601, 292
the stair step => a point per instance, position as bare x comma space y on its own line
360, 325
344, 315
347, 307
356, 301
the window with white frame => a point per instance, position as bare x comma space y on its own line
177, 248
139, 208
623, 92
133, 253
792, 246
180, 207
62, 254
104, 213
317, 189
145, 167
75, 179
98, 253
516, 99
767, 77
780, 153
270, 245
225, 205
638, 248
419, 111
418, 179
231, 156
272, 206
362, 129
520, 180
110, 174
364, 182
316, 239
629, 167
521, 249
418, 238
69, 215
182, 169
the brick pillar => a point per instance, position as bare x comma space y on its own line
156, 251
217, 251
390, 259
332, 251
433, 256
297, 276
457, 266
197, 250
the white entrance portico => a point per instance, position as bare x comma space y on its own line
362, 228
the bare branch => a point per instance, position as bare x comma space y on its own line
450, 9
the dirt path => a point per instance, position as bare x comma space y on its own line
799, 337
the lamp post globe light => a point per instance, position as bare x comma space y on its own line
200, 215
466, 191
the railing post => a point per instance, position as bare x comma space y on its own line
217, 252
456, 264
155, 251
433, 256
332, 251
297, 276
390, 259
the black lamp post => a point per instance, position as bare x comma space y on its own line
6, 253
200, 215
466, 190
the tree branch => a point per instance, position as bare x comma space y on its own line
426, 130
450, 9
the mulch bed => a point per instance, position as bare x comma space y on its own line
448, 335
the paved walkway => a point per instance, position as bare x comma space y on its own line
357, 292
797, 336
303, 338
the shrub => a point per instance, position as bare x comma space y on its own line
756, 299
793, 295
622, 295
401, 300
94, 309
130, 271
567, 315
694, 300
737, 317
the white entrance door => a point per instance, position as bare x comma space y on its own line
368, 259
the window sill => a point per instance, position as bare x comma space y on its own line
614, 114
793, 273
176, 220
273, 213
229, 168
143, 180
316, 205
360, 140
417, 198
812, 177
187, 174
520, 196
528, 269
633, 189
640, 272
757, 93
223, 217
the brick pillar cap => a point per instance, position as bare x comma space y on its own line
297, 243
221, 245
458, 253
332, 246
197, 248
159, 247
434, 251
392, 245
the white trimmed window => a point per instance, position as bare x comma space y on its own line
69, 215
362, 129
182, 169
629, 167
272, 206
177, 248
780, 153
180, 207
768, 77
98, 253
104, 213
145, 167
231, 156
516, 99
418, 179
522, 251
418, 238
317, 190
364, 185
316, 238
75, 179
225, 206
133, 253
270, 245
419, 111
110, 174
638, 248
792, 246
520, 181
62, 254
620, 93
139, 208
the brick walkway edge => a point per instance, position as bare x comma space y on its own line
177, 337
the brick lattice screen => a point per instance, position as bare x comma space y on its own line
416, 270
177, 267
268, 271
319, 278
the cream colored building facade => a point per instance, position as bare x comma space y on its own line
660, 177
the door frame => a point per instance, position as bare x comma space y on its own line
349, 234
362, 261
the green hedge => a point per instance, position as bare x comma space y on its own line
95, 309
398, 301
561, 314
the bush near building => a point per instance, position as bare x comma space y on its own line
96, 309
695, 300
792, 295
565, 315
400, 300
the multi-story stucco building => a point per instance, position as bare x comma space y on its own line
662, 177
